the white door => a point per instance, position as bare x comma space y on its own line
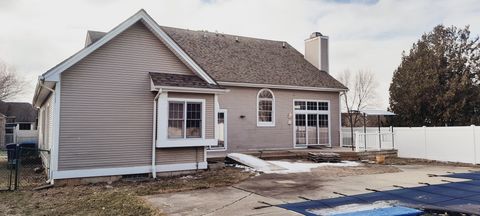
221, 130
312, 123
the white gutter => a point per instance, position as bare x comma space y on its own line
191, 90
154, 143
255, 85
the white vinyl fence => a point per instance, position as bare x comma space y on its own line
26, 136
452, 144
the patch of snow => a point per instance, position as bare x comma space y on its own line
281, 167
297, 167
350, 208
254, 162
245, 168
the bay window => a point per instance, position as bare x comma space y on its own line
184, 119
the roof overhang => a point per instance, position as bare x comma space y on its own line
42, 91
189, 90
54, 73
305, 88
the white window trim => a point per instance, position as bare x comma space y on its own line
225, 132
162, 134
322, 112
202, 117
266, 124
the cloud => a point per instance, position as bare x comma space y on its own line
35, 35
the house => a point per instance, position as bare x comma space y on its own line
370, 121
144, 98
19, 119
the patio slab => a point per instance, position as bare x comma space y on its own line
246, 198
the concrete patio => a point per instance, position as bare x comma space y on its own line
253, 197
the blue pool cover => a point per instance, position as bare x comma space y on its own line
454, 196
397, 211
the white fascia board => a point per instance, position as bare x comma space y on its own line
84, 173
305, 88
190, 90
36, 92
54, 73
150, 23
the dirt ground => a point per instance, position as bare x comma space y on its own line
129, 197
413, 161
120, 198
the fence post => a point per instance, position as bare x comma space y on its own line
474, 145
357, 146
425, 141
17, 166
393, 137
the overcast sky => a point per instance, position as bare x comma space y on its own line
35, 35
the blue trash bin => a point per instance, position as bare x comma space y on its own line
12, 154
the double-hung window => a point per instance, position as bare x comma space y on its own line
265, 108
185, 119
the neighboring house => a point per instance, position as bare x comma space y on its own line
19, 119
144, 98
370, 121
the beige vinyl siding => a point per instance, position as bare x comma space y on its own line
244, 135
45, 132
45, 123
179, 155
106, 105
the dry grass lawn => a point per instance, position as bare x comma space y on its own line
120, 198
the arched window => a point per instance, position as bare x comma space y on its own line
265, 108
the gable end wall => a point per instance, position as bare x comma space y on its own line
106, 105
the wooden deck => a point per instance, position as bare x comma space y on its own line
345, 153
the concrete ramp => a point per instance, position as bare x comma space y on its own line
254, 162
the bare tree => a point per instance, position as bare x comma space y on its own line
362, 93
10, 84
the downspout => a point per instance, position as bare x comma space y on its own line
154, 134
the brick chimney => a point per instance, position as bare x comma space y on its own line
316, 50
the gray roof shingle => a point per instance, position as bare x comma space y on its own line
249, 60
23, 112
178, 80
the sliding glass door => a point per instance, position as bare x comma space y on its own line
311, 123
